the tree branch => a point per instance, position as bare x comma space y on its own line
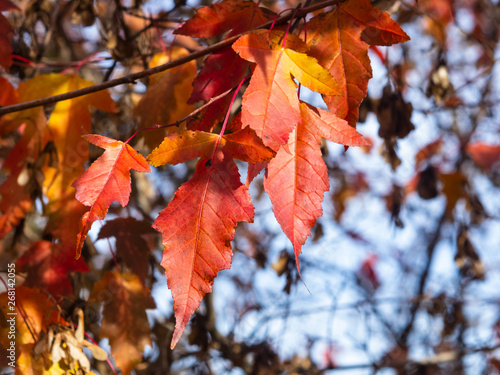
131, 78
423, 278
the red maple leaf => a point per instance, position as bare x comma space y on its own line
107, 180
340, 40
197, 228
297, 177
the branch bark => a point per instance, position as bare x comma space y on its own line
131, 78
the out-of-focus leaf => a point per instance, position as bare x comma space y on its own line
165, 100
483, 154
48, 267
124, 319
130, 244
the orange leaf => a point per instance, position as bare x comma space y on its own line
15, 191
336, 41
254, 170
183, 146
297, 177
69, 120
270, 103
61, 136
49, 266
427, 152
187, 145
484, 155
216, 19
165, 101
245, 145
124, 319
380, 29
64, 219
107, 180
197, 228
13, 213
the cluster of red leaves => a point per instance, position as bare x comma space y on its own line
199, 223
275, 131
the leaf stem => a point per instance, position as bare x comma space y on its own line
228, 113
289, 23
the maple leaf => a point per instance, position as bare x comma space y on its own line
165, 99
124, 319
197, 227
245, 145
338, 40
427, 152
49, 265
183, 146
107, 180
69, 120
5, 31
187, 145
367, 274
64, 219
216, 19
270, 103
254, 170
297, 177
14, 202
214, 79
130, 244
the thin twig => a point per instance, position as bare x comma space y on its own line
131, 78
423, 278
187, 117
